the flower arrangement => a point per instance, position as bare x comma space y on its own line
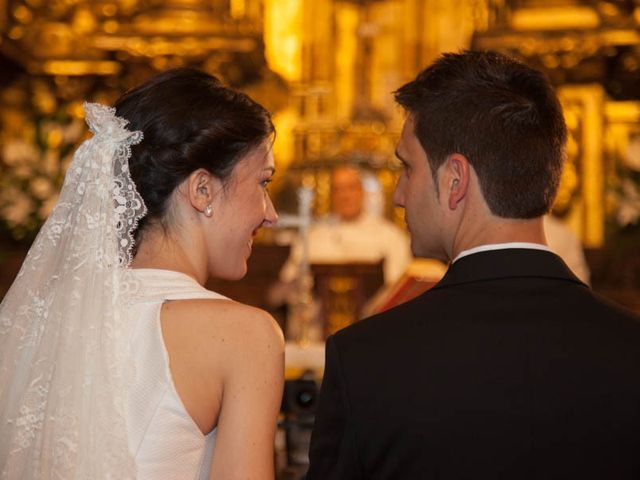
622, 243
626, 195
36, 147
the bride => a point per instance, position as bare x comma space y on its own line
116, 362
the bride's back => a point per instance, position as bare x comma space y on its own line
113, 368
208, 370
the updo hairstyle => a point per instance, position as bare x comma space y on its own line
189, 121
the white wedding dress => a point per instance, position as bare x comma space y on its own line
85, 386
163, 439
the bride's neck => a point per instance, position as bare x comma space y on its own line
162, 250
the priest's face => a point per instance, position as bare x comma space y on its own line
418, 194
347, 195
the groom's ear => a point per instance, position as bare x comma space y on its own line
457, 178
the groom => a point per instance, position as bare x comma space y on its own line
510, 367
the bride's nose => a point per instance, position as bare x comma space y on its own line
271, 216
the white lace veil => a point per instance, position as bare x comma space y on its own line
63, 351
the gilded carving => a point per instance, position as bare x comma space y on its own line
327, 69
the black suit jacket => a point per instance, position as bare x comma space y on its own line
509, 368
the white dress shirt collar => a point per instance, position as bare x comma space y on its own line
501, 246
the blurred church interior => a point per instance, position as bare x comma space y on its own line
326, 69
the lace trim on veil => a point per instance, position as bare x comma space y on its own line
128, 204
63, 344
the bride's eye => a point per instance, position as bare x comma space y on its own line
265, 183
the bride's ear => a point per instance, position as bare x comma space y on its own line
201, 188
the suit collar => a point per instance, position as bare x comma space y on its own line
515, 262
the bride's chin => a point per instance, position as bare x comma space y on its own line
230, 271
239, 276
239, 272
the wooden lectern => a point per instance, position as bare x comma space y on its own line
342, 290
421, 275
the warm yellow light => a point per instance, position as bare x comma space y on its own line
70, 67
83, 21
346, 52
54, 139
238, 8
110, 10
282, 36
587, 104
110, 26
621, 37
554, 18
623, 111
23, 14
16, 33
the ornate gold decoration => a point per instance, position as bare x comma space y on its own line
622, 162
590, 50
62, 37
56, 53
342, 59
345, 58
342, 309
584, 105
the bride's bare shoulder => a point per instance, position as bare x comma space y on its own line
217, 348
234, 327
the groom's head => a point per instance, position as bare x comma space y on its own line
496, 117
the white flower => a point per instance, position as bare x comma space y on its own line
41, 187
19, 152
628, 204
73, 132
633, 153
51, 162
23, 171
18, 209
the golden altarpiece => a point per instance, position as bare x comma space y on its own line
326, 68
591, 52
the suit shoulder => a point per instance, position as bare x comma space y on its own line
616, 312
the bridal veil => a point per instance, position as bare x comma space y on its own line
63, 347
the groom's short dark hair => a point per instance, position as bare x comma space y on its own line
503, 116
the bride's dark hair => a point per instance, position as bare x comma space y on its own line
190, 120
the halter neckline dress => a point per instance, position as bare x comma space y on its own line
164, 440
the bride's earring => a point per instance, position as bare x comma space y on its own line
208, 210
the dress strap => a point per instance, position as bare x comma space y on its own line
153, 285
